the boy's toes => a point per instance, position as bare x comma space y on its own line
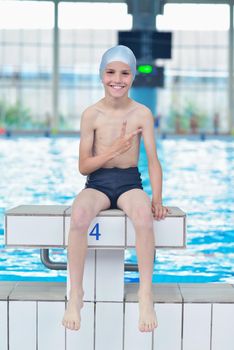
142, 327
147, 327
77, 326
67, 324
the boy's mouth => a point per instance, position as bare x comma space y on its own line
117, 87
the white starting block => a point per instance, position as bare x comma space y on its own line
44, 226
110, 233
194, 316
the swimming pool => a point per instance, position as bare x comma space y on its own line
198, 177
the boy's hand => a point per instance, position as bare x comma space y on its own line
124, 141
159, 211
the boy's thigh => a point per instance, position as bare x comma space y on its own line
133, 199
91, 200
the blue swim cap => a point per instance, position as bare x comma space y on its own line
118, 53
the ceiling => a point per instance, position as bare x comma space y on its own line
163, 1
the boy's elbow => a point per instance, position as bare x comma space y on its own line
82, 172
82, 169
85, 173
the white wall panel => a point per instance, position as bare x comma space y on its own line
3, 325
109, 326
51, 333
197, 323
223, 327
169, 323
22, 325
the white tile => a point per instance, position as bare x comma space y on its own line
51, 333
109, 275
169, 322
22, 325
223, 327
133, 338
84, 338
197, 323
34, 230
109, 326
103, 231
3, 325
89, 277
168, 232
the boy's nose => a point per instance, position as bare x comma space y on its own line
117, 78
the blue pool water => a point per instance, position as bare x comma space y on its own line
198, 177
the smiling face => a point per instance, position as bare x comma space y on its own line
117, 79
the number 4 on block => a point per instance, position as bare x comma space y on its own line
95, 232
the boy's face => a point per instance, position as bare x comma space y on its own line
117, 79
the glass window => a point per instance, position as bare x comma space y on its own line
25, 63
196, 76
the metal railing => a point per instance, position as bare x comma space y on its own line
54, 265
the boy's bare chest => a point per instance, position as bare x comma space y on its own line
109, 129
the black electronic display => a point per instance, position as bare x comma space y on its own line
151, 78
156, 44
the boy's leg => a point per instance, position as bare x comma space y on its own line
85, 208
137, 206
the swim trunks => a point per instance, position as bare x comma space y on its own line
114, 182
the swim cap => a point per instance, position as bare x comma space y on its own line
118, 53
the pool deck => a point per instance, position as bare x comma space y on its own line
196, 316
163, 293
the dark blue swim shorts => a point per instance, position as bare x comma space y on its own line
114, 182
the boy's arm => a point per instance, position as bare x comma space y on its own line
154, 166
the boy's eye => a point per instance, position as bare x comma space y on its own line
112, 72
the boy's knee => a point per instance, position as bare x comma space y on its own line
81, 218
142, 217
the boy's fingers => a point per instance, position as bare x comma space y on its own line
159, 213
123, 130
164, 213
134, 133
167, 210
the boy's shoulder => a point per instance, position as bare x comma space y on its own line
91, 111
143, 110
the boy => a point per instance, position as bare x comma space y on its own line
109, 151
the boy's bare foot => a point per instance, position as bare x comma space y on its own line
147, 318
71, 319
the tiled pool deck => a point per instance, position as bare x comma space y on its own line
191, 317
